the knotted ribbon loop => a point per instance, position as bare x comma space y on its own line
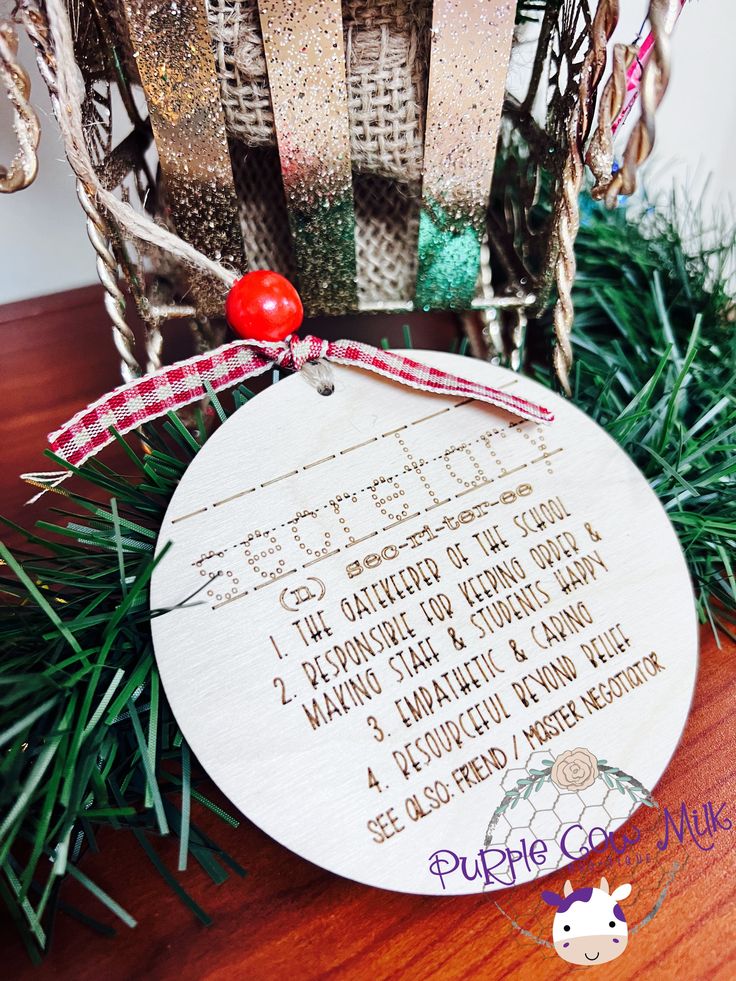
145, 399
294, 352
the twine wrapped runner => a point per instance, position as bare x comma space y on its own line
152, 396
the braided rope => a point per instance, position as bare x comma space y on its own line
600, 152
568, 216
153, 341
37, 28
24, 165
655, 79
107, 273
568, 223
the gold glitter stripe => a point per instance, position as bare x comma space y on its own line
471, 45
173, 51
306, 73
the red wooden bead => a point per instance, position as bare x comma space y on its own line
264, 306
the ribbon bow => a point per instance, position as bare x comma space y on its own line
174, 386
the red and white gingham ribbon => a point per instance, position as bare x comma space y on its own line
147, 398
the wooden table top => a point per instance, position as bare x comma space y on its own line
289, 919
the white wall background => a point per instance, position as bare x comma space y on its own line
43, 244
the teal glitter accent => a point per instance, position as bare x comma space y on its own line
449, 259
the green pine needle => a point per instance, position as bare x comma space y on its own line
87, 738
655, 349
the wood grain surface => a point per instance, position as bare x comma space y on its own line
288, 918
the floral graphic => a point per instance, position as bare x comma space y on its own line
546, 796
576, 769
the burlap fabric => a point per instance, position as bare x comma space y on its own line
387, 56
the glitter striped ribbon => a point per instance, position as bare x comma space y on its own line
173, 54
469, 61
303, 45
130, 406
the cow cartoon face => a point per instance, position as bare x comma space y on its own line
589, 926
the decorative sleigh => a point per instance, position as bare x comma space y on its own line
351, 146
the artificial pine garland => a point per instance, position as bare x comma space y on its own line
655, 343
88, 741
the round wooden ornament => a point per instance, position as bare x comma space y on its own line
383, 604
